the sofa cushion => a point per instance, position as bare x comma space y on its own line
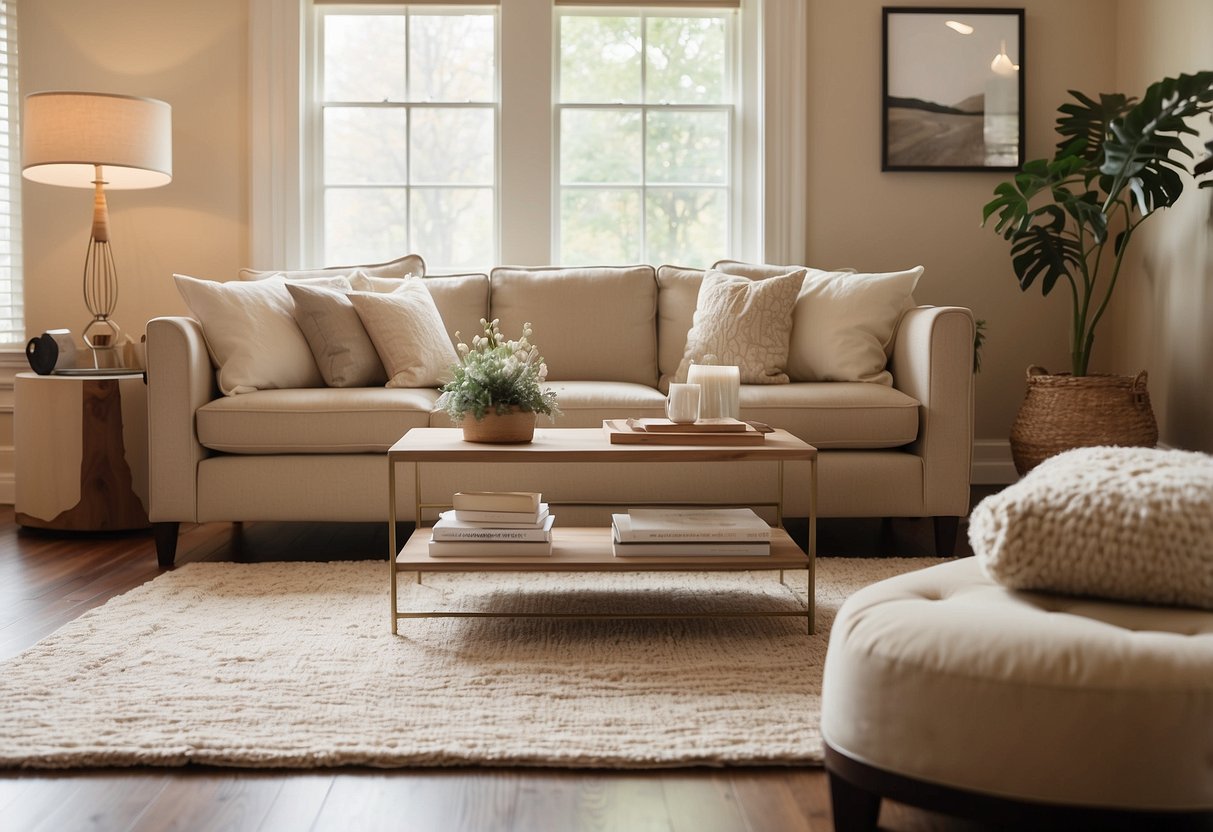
584, 404
318, 421
844, 322
590, 324
743, 322
835, 415
343, 351
400, 267
677, 292
408, 334
251, 332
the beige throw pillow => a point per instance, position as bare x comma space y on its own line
251, 333
1134, 524
844, 321
408, 334
339, 342
743, 322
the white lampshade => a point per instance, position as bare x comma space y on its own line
66, 134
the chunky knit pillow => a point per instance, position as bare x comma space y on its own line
1133, 524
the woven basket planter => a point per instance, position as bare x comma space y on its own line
1061, 411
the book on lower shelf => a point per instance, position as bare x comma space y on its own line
449, 527
503, 519
707, 548
476, 548
524, 501
691, 524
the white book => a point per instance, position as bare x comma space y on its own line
504, 518
698, 549
722, 524
452, 529
494, 549
527, 501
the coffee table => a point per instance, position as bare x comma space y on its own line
588, 549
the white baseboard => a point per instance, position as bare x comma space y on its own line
992, 463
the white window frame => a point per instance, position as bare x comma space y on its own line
12, 294
773, 188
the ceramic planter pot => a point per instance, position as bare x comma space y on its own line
515, 427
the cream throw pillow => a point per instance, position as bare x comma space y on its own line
1133, 524
844, 321
251, 333
339, 342
743, 322
408, 334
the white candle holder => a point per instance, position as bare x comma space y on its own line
719, 390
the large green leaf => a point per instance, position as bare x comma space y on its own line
1045, 249
1084, 125
1144, 150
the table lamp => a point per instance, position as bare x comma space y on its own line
94, 140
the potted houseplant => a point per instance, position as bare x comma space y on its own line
1070, 220
497, 389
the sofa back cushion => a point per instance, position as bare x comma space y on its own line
677, 293
400, 267
590, 323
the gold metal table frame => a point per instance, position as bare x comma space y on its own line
582, 549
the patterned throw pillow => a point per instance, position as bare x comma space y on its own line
408, 334
743, 322
1133, 524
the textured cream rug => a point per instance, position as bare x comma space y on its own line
293, 665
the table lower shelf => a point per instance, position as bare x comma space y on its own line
582, 549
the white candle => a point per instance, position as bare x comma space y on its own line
720, 390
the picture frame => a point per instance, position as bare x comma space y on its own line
953, 89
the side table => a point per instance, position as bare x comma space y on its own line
80, 443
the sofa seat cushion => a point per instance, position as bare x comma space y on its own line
584, 404
835, 414
316, 421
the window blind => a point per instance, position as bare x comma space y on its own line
12, 307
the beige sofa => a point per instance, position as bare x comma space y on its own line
611, 337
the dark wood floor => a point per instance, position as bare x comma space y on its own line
48, 579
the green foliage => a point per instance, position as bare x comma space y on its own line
497, 375
1119, 161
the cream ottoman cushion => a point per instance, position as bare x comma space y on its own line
945, 676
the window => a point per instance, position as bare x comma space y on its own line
646, 125
526, 131
404, 137
12, 309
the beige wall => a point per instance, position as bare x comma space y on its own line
861, 217
195, 57
1162, 314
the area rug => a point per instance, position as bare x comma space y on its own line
294, 665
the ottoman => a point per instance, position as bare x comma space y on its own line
945, 690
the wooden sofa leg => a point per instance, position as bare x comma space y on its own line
855, 809
165, 535
946, 529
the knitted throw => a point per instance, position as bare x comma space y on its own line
1133, 524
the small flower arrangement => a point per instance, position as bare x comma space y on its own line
497, 376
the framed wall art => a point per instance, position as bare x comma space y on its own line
953, 89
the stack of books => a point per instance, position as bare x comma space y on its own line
691, 531
502, 523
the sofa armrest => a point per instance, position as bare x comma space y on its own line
933, 362
180, 380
